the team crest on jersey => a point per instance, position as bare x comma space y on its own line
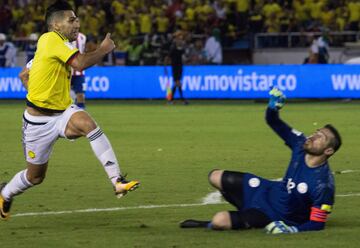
31, 154
302, 188
254, 182
69, 45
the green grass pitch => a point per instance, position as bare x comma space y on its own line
171, 149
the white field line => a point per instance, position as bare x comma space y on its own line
212, 198
345, 171
93, 210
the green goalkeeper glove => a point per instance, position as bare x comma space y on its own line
277, 227
277, 99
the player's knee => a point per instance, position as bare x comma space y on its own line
84, 123
36, 180
215, 178
221, 221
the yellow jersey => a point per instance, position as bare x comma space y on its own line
50, 73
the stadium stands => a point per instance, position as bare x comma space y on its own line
244, 24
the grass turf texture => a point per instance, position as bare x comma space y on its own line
170, 149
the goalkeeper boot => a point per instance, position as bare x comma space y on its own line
4, 205
194, 224
123, 186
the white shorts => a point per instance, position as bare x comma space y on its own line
41, 132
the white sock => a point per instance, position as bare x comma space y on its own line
18, 184
101, 146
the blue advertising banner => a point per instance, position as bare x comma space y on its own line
232, 82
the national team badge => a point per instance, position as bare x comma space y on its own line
254, 182
302, 188
31, 154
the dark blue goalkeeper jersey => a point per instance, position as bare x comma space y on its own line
304, 196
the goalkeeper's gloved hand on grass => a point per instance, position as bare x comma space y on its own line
277, 99
277, 227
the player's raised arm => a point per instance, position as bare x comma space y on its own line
83, 61
276, 102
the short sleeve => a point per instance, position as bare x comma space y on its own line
63, 49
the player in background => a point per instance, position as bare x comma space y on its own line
50, 114
7, 52
31, 46
300, 202
78, 77
175, 58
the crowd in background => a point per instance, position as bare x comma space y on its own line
142, 28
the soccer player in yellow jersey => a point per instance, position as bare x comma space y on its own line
50, 114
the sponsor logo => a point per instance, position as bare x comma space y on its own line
239, 81
290, 185
109, 163
341, 82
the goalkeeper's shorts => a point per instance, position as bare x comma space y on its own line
39, 133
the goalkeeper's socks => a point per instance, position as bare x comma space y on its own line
18, 184
101, 146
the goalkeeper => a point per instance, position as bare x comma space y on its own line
301, 201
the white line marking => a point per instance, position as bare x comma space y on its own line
347, 195
93, 210
212, 198
345, 171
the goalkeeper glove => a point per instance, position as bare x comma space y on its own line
277, 227
277, 99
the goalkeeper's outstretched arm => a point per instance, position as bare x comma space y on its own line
276, 102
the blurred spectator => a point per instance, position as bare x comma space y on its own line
7, 52
319, 50
323, 44
242, 9
162, 23
149, 52
213, 48
313, 57
134, 52
145, 21
5, 17
197, 55
30, 46
354, 18
256, 21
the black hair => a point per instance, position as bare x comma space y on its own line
58, 6
336, 142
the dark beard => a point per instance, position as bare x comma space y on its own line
314, 153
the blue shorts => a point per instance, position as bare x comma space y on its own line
248, 191
77, 84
